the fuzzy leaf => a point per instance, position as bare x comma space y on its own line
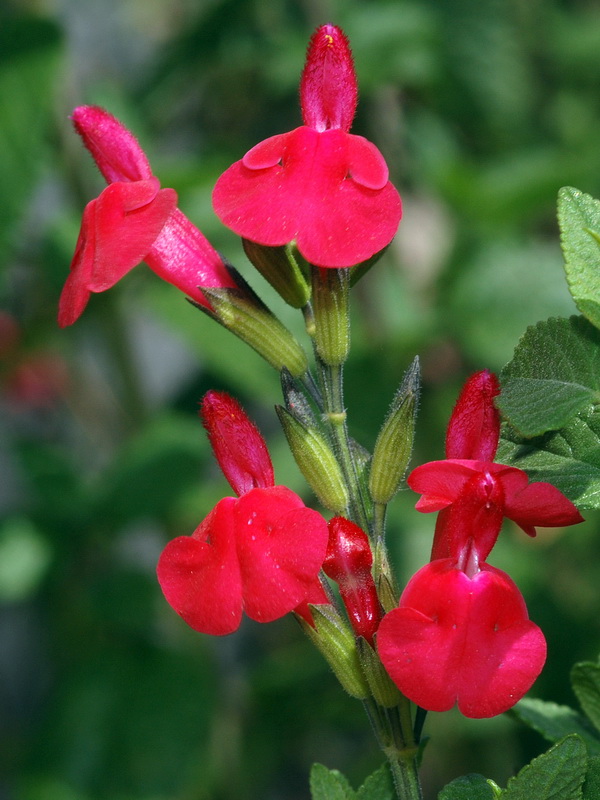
557, 774
554, 722
377, 786
329, 784
554, 374
579, 220
591, 787
469, 787
585, 679
569, 458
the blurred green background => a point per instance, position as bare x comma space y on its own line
483, 109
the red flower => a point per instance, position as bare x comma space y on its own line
461, 639
319, 185
260, 553
132, 220
461, 632
469, 472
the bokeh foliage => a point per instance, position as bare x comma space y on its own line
483, 110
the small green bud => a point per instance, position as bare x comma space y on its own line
381, 685
316, 461
242, 312
280, 267
336, 642
330, 308
394, 443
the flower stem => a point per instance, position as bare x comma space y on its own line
336, 416
393, 730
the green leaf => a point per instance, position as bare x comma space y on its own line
378, 786
585, 679
329, 784
557, 774
469, 787
591, 787
554, 374
569, 458
579, 220
554, 722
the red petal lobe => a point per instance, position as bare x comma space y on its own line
455, 639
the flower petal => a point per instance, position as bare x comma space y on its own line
127, 219
236, 442
281, 546
365, 163
440, 482
455, 639
182, 256
541, 504
328, 88
114, 149
312, 198
474, 427
76, 293
200, 575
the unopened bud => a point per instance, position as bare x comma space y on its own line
316, 461
394, 443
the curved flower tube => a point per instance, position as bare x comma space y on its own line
132, 220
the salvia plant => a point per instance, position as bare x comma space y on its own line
315, 208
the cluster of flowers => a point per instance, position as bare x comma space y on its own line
461, 632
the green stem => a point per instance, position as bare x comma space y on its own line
393, 730
336, 416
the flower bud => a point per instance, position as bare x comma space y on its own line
394, 443
348, 562
316, 461
279, 266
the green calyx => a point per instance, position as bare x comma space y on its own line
281, 267
332, 636
242, 312
316, 460
330, 309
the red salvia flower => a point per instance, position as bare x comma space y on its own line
319, 185
461, 632
132, 220
260, 553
